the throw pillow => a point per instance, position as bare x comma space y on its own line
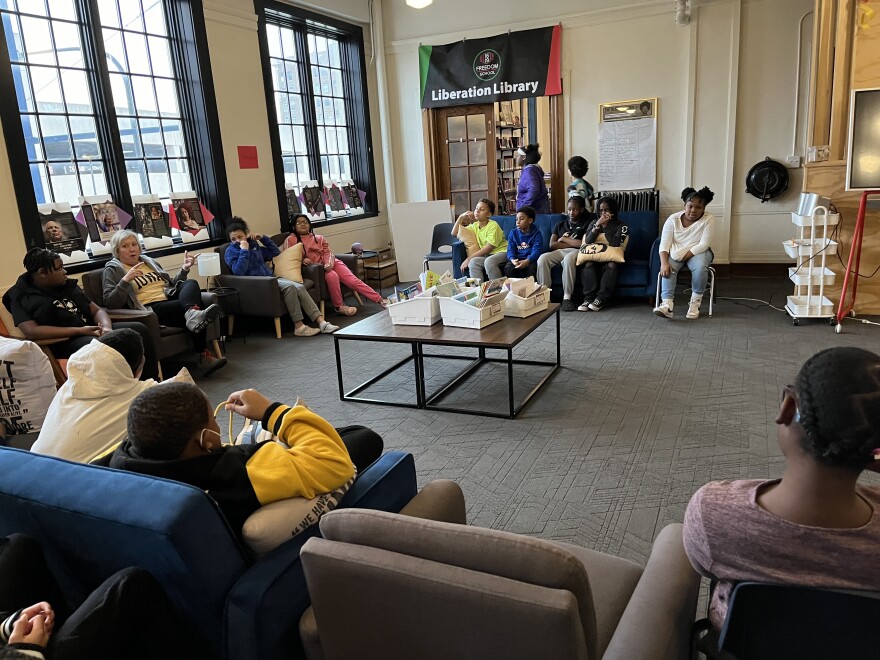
466, 235
277, 522
601, 251
288, 264
27, 385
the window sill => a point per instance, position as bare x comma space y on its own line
178, 248
342, 220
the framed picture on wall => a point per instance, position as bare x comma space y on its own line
623, 110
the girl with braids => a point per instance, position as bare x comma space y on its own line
816, 526
316, 250
685, 239
531, 190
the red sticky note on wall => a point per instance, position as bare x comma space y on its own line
247, 158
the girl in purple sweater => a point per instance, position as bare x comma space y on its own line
531, 191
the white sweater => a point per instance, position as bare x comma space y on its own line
677, 239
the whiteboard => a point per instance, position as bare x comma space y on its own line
628, 154
412, 226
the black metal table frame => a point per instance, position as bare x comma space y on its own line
423, 401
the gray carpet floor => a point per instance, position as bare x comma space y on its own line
643, 411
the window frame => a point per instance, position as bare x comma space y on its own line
357, 107
201, 125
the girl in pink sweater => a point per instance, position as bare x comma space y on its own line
316, 250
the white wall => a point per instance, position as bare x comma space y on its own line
725, 83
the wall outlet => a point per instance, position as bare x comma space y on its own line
793, 161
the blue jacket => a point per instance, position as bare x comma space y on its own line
252, 261
531, 191
525, 246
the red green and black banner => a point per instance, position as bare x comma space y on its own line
515, 65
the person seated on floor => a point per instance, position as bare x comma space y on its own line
132, 280
486, 262
87, 416
46, 305
565, 241
598, 279
127, 616
317, 251
172, 433
248, 253
816, 526
524, 245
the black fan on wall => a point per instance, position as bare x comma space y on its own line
767, 179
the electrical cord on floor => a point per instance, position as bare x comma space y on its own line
762, 302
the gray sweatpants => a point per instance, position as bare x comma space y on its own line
298, 300
565, 256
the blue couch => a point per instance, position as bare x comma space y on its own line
94, 521
638, 276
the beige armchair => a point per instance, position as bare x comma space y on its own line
391, 586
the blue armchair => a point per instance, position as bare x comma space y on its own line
638, 276
93, 521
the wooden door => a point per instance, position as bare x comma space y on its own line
465, 155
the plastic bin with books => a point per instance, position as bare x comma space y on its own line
526, 297
475, 307
419, 304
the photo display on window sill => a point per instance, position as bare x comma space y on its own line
102, 218
62, 232
189, 215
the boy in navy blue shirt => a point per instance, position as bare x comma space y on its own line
524, 245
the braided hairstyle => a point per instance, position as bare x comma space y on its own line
838, 397
703, 194
37, 258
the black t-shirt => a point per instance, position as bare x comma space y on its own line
66, 306
574, 231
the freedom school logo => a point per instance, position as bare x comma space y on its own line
487, 64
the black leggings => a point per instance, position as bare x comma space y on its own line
364, 445
127, 616
171, 312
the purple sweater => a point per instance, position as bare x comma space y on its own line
531, 191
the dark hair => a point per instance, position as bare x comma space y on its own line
703, 194
128, 344
612, 205
37, 258
236, 224
578, 166
533, 155
579, 199
291, 224
645, 105
527, 210
838, 397
162, 419
488, 202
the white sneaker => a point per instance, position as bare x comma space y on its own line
694, 306
328, 328
306, 331
584, 308
664, 310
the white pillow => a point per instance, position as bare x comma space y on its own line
27, 385
288, 264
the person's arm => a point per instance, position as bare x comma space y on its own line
618, 234
696, 541
705, 240
464, 219
527, 189
117, 288
315, 460
326, 255
102, 318
237, 259
593, 232
537, 245
665, 246
188, 261
512, 253
268, 248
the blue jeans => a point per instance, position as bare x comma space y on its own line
699, 267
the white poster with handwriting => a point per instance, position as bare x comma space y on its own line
628, 154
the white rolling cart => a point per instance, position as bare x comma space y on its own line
810, 276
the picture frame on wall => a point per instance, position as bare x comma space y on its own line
626, 110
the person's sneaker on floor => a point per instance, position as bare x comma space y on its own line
568, 306
199, 319
327, 328
210, 363
306, 331
346, 310
664, 310
585, 307
596, 305
694, 306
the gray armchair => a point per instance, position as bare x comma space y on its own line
169, 341
389, 586
260, 296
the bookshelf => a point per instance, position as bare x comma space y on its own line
510, 135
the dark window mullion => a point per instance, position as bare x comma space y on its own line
357, 118
309, 114
108, 134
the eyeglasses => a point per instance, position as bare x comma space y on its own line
789, 389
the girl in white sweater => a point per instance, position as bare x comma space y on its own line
684, 241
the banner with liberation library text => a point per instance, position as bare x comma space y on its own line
515, 65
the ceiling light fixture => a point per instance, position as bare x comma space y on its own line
419, 4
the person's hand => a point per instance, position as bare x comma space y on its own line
41, 608
523, 263
30, 631
256, 237
665, 270
133, 272
465, 263
104, 329
248, 403
307, 262
515, 262
89, 331
244, 245
188, 260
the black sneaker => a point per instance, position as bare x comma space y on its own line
210, 363
568, 306
596, 305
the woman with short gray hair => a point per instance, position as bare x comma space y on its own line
135, 281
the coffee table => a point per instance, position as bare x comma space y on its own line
504, 335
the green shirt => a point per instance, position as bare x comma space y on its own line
491, 233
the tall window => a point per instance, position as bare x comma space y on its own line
101, 88
316, 87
